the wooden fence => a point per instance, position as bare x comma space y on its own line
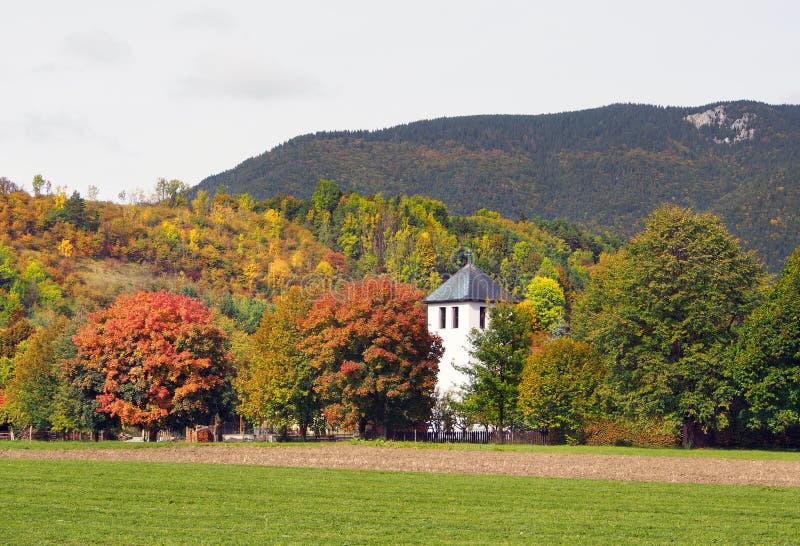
47, 435
533, 437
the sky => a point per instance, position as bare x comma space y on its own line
117, 95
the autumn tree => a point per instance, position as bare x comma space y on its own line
7, 186
661, 312
767, 363
374, 360
202, 203
559, 386
498, 357
275, 381
31, 392
171, 192
162, 359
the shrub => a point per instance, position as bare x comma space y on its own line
652, 432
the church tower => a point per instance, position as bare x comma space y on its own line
454, 309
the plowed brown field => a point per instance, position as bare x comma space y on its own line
606, 467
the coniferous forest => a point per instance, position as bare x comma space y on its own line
607, 168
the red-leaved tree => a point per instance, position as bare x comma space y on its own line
162, 359
376, 362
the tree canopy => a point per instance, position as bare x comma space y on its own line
662, 311
559, 386
162, 358
498, 357
32, 390
767, 364
547, 300
275, 381
375, 361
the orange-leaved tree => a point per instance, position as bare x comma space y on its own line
163, 361
375, 360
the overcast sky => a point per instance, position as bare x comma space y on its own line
117, 95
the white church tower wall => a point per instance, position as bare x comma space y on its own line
454, 322
458, 306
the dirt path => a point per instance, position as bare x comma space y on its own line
606, 467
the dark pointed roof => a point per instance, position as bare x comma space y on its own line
469, 284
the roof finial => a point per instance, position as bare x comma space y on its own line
468, 253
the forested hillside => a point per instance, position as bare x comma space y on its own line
605, 168
67, 255
71, 268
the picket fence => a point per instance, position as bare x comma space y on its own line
534, 437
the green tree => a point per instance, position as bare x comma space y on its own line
8, 270
559, 386
31, 392
76, 402
548, 301
662, 310
326, 195
498, 357
38, 183
767, 364
547, 269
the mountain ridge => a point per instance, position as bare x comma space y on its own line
605, 167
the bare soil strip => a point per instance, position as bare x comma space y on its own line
604, 467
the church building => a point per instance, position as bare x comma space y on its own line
454, 310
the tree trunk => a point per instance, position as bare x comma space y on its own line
215, 428
152, 434
386, 431
692, 434
501, 421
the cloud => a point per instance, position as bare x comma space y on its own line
245, 78
206, 19
63, 128
97, 46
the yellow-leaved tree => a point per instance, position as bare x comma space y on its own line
274, 382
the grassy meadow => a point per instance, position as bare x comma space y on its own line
85, 502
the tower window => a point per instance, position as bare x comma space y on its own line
442, 317
483, 318
455, 317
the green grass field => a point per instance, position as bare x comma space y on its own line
789, 455
82, 502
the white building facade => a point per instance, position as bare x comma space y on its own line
457, 307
